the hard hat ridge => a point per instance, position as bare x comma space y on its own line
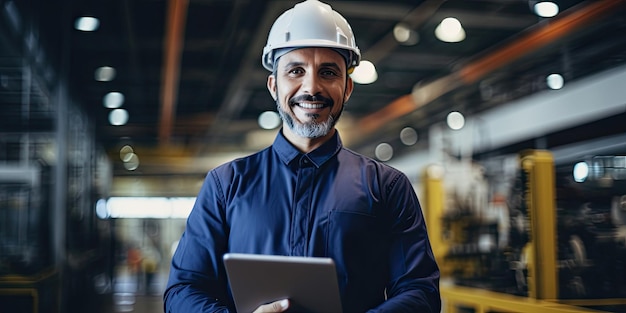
311, 24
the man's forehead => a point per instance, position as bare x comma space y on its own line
325, 55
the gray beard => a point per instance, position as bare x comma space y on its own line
313, 129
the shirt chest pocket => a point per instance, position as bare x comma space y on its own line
355, 234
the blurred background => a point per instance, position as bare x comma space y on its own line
509, 116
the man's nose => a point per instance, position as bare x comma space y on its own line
311, 84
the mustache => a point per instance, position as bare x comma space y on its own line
311, 98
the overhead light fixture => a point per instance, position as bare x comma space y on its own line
131, 163
101, 209
405, 35
269, 120
104, 74
555, 81
384, 152
450, 30
118, 117
581, 172
113, 100
408, 136
125, 151
455, 120
545, 8
365, 73
146, 207
87, 24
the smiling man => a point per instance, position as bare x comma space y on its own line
310, 86
306, 194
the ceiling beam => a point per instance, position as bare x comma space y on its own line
542, 37
174, 34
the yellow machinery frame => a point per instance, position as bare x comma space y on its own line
541, 203
18, 285
542, 250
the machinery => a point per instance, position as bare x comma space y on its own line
519, 234
591, 206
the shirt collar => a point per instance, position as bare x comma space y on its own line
288, 153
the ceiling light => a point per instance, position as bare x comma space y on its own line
546, 9
269, 120
581, 172
554, 81
384, 152
405, 35
113, 100
101, 209
132, 162
125, 151
118, 117
455, 120
365, 73
450, 30
408, 136
104, 74
87, 23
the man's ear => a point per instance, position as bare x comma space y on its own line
349, 88
271, 85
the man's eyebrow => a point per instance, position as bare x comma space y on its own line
331, 64
293, 64
325, 64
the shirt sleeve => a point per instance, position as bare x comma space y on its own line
197, 280
414, 285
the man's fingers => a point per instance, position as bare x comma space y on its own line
276, 306
281, 306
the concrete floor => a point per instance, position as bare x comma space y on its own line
131, 294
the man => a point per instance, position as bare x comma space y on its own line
307, 195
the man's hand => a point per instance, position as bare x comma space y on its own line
276, 306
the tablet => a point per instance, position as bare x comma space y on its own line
309, 283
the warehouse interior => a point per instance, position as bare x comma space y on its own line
513, 133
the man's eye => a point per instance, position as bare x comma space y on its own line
295, 71
329, 73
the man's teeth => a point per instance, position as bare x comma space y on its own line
311, 105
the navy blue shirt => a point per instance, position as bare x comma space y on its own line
331, 202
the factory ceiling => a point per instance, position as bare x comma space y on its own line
193, 85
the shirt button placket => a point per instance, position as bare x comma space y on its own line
304, 188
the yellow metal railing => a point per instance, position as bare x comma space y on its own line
31, 286
456, 298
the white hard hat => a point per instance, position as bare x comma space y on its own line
311, 24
